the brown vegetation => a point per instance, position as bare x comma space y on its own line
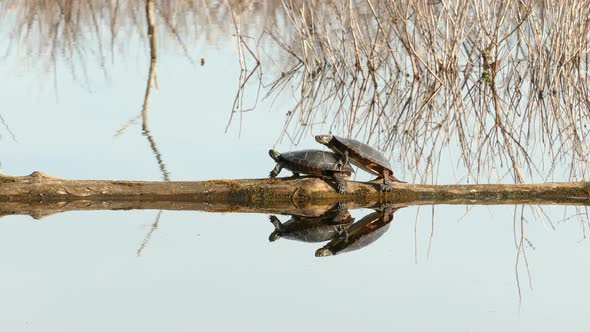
501, 88
506, 82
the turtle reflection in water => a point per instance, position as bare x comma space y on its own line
313, 162
363, 156
333, 223
360, 234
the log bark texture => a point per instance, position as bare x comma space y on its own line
39, 194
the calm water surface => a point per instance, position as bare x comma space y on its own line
81, 271
449, 269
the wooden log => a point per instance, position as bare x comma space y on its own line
39, 194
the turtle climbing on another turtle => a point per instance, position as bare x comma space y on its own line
313, 162
363, 156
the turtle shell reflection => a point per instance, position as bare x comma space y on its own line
332, 224
360, 234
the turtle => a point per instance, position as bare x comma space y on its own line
322, 228
320, 163
363, 156
360, 234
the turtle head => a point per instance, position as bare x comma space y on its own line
323, 252
274, 236
323, 139
275, 155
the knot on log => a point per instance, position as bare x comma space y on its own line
40, 176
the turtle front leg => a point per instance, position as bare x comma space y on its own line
343, 161
340, 183
278, 228
386, 185
275, 222
275, 171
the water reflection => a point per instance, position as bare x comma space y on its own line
431, 78
361, 234
203, 256
149, 234
325, 227
336, 226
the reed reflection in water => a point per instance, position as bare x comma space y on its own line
495, 85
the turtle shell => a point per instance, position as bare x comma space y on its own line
361, 154
314, 162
